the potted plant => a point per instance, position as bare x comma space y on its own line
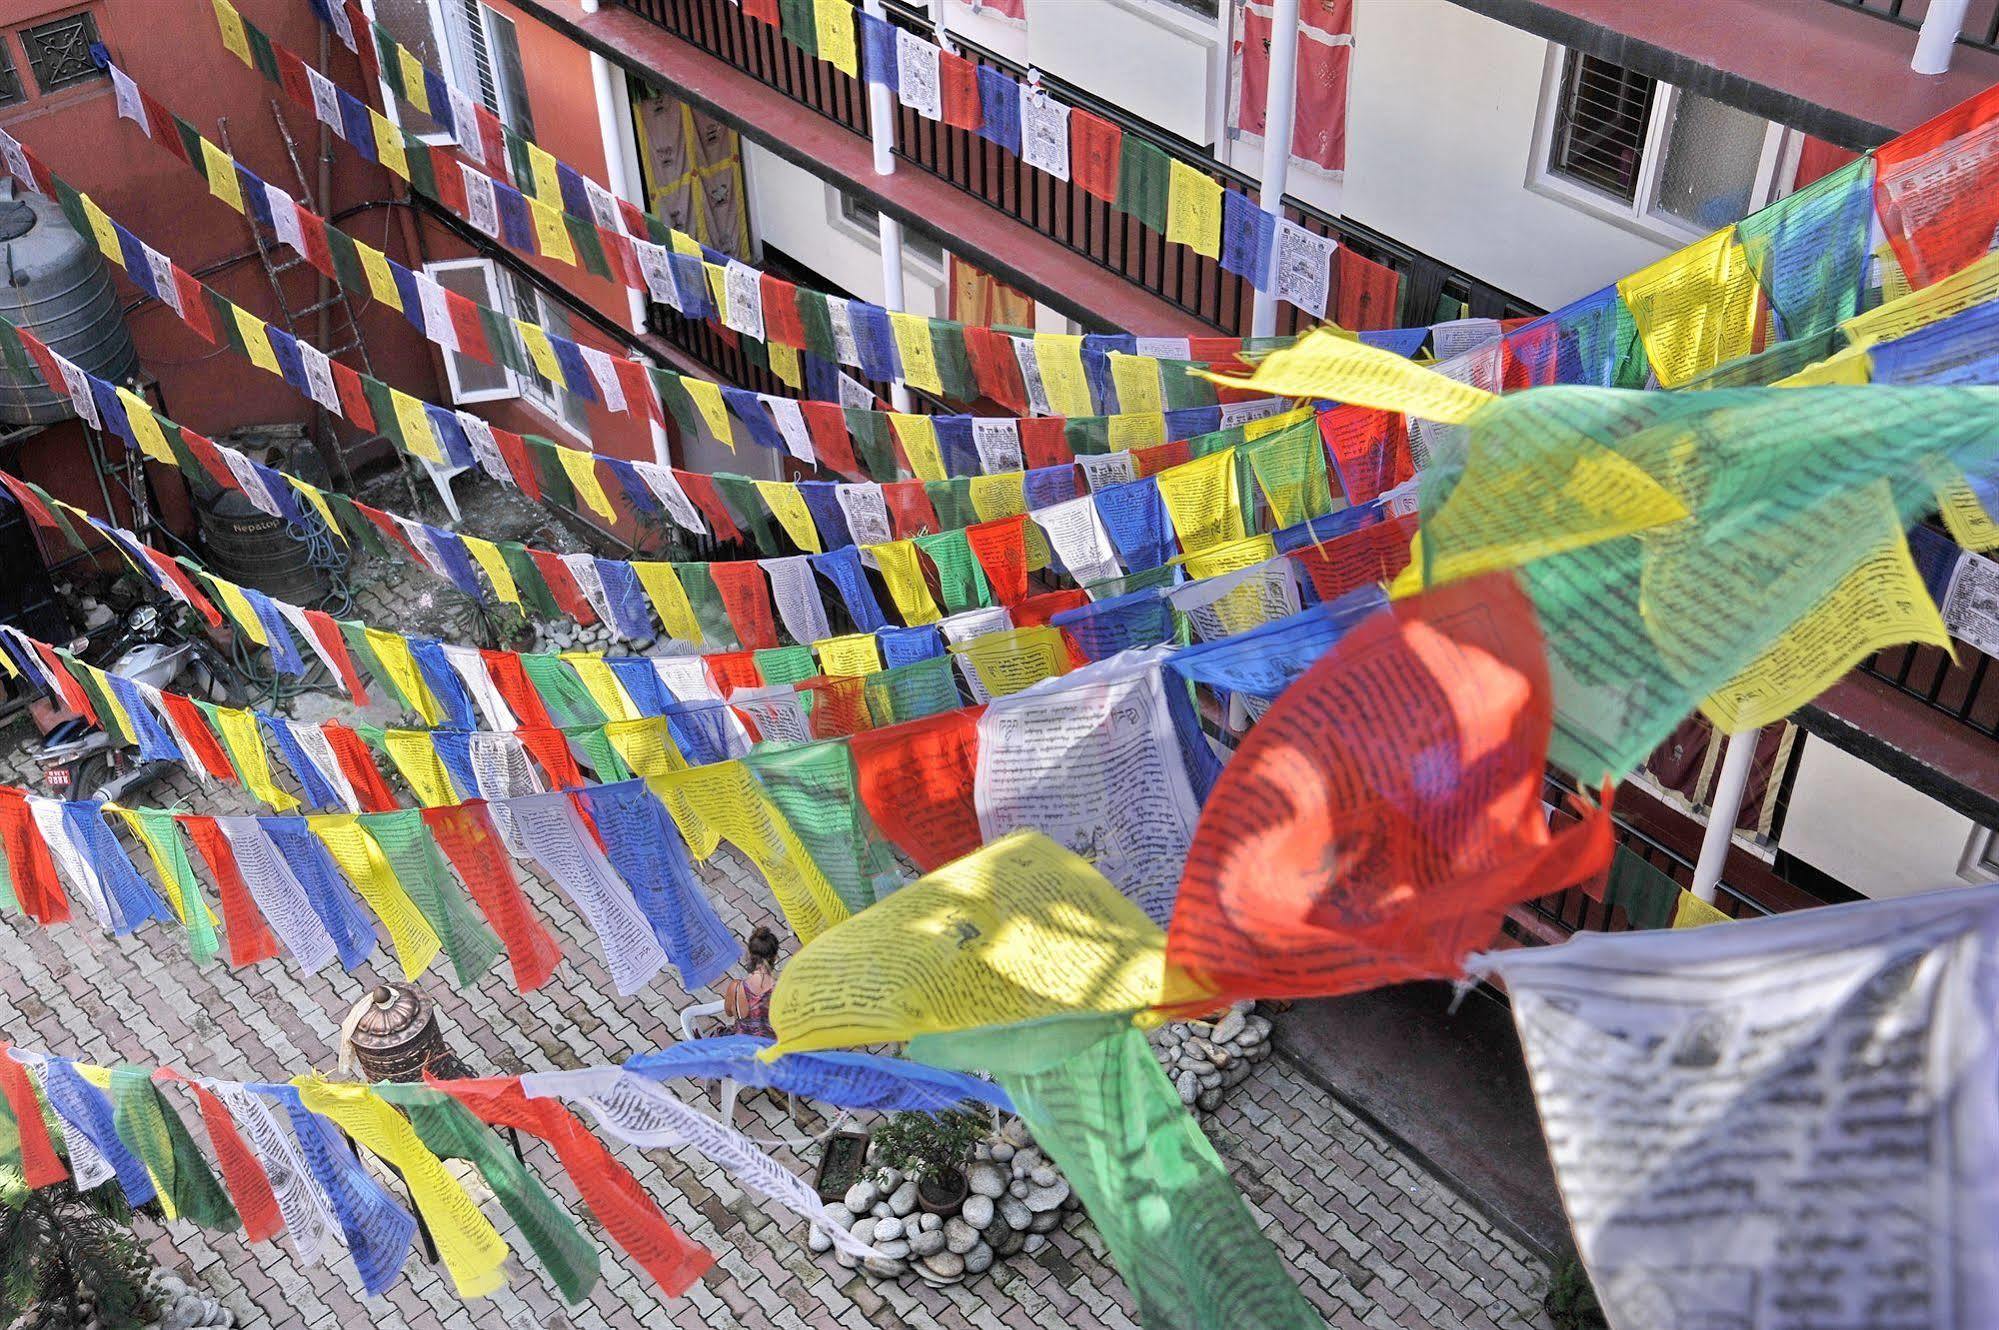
67, 1261
932, 1148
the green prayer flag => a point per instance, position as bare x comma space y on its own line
528, 580
960, 580
156, 1134
600, 753
818, 324
1648, 895
786, 664
796, 20
740, 492
156, 826
569, 703
814, 786
872, 443
1180, 389
913, 691
706, 602
1087, 436
418, 864
954, 361
1143, 175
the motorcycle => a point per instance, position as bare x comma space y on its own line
78, 759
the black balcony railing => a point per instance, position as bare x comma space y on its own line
1981, 21
1430, 290
1965, 689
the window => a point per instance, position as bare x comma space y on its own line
861, 217
1672, 161
473, 380
474, 48
11, 92
59, 52
556, 403
1981, 856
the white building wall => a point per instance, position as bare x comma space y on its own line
1868, 829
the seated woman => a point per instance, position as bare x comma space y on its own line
746, 1001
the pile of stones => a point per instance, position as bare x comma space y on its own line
1205, 1058
1016, 1199
556, 635
182, 1306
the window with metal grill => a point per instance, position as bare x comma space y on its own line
11, 91
1601, 124
59, 51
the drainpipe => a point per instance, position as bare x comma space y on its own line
1938, 36
614, 115
881, 129
1722, 812
1278, 108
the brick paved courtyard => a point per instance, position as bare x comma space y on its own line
1372, 1238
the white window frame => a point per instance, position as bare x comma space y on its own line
836, 217
1980, 863
1643, 214
550, 399
447, 61
497, 299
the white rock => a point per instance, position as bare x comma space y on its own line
1043, 1199
1229, 1027
982, 1151
1016, 1131
945, 1264
1035, 1242
1011, 1243
884, 1268
1044, 1176
1188, 1086
846, 1262
1210, 1100
1018, 1187
1015, 1213
927, 1243
959, 1236
861, 1197
904, 1199
864, 1230
928, 1223
979, 1259
819, 1240
978, 1211
888, 1179
894, 1251
986, 1180
887, 1229
1000, 1150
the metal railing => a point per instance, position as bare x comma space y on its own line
1071, 216
1981, 29
1966, 689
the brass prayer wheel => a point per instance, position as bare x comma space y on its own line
397, 1036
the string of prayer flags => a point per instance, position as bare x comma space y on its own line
1019, 930
1424, 796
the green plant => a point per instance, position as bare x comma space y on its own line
929, 1145
67, 1260
1570, 1300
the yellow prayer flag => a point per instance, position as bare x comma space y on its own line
540, 350
1881, 603
646, 746
414, 755
239, 610
919, 355
1021, 930
414, 91
918, 436
1137, 381
581, 468
669, 600
1693, 912
1245, 607
900, 568
1003, 495
1194, 209
834, 21
256, 342
1969, 524
389, 144
1342, 370
1135, 429
1974, 284
494, 564
1894, 282
221, 173
375, 881
381, 278
602, 685
146, 426
317, 498
418, 436
1202, 499
393, 651
1849, 365
551, 233
718, 289
1019, 658
102, 231
119, 715
471, 1249
1264, 426
1060, 357
784, 359
547, 176
234, 39
789, 506
849, 657
724, 799
1695, 308
707, 399
246, 746
686, 244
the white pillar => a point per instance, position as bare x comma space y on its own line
881, 128
612, 105
1278, 109
1722, 812
1943, 21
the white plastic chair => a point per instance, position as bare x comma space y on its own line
731, 1090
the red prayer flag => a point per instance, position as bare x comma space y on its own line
701, 489
250, 938
1325, 50
632, 1218
1001, 549
504, 669
249, 1186
834, 447
638, 387
1369, 450
909, 510
1154, 458
1036, 611
40, 1165
327, 632
353, 398
764, 11
514, 452
958, 82
995, 368
730, 670
1096, 147
194, 728
1044, 441
561, 582
32, 868
1379, 820
916, 779
174, 573
466, 834
1936, 189
1373, 554
1369, 293
746, 596
780, 303
358, 765
839, 706
550, 747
